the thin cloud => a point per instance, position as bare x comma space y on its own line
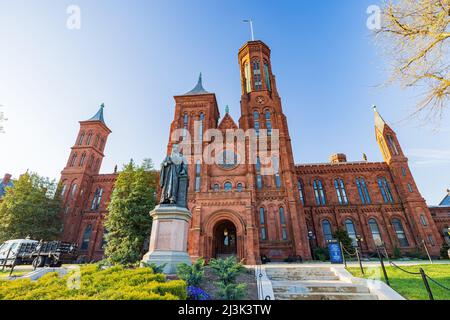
430, 157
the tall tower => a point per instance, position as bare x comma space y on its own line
414, 204
84, 162
261, 108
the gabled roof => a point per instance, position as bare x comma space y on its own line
227, 121
99, 115
446, 201
198, 89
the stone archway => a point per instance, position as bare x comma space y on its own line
225, 240
214, 231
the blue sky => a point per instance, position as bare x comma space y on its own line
136, 55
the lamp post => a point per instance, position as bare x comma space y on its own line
359, 240
311, 238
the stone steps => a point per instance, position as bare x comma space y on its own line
308, 283
326, 296
296, 287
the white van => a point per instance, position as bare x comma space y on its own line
14, 245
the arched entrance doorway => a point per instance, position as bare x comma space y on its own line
225, 240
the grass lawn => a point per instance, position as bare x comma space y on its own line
411, 286
19, 273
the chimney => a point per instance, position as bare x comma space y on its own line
6, 179
338, 158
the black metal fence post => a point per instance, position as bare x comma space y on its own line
359, 260
380, 256
343, 254
6, 259
427, 285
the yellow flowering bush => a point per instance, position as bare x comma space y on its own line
116, 283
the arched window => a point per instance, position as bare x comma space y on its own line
423, 220
88, 142
363, 191
74, 159
385, 190
248, 85
200, 129
83, 159
262, 224
301, 191
63, 190
86, 237
375, 230
80, 141
267, 76
257, 75
91, 161
96, 201
97, 139
400, 232
256, 122
185, 125
97, 164
284, 234
216, 188
268, 123
392, 145
410, 188
350, 227
276, 164
259, 182
327, 232
319, 192
340, 191
404, 171
198, 170
431, 240
74, 191
228, 187
240, 187
102, 144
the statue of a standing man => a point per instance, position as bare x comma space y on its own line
173, 168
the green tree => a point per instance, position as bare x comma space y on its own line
342, 236
31, 208
128, 221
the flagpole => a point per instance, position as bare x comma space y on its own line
250, 21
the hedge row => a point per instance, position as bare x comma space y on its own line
92, 283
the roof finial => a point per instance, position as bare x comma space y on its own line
102, 105
227, 109
374, 107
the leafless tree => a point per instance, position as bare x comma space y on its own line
415, 36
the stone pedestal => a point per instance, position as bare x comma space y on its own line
168, 240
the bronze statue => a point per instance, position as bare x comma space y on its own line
174, 179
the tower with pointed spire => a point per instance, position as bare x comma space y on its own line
82, 168
409, 195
